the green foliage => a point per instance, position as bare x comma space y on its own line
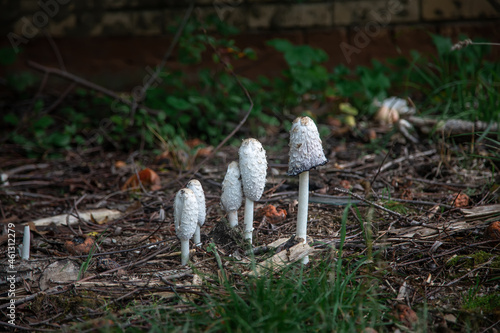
304, 74
457, 84
460, 84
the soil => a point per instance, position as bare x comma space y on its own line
429, 243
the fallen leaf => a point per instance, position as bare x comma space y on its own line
493, 231
100, 222
406, 315
345, 184
147, 177
460, 200
194, 142
79, 245
272, 214
120, 164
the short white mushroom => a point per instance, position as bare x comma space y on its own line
25, 252
232, 194
185, 219
306, 153
253, 169
195, 186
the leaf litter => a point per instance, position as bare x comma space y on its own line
426, 204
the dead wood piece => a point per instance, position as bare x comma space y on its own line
427, 231
282, 259
452, 126
481, 211
64, 219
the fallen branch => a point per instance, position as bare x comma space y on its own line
84, 83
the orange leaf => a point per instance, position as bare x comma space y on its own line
406, 315
493, 231
79, 246
460, 200
273, 215
147, 177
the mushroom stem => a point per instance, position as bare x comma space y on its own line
184, 251
303, 205
232, 216
248, 219
25, 253
197, 236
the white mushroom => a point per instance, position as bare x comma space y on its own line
306, 153
232, 194
195, 186
185, 219
25, 251
253, 169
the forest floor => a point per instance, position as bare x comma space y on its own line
418, 213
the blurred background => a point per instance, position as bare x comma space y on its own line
329, 59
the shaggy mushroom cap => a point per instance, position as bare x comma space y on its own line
185, 214
253, 168
306, 151
232, 194
195, 186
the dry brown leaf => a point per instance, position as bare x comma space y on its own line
79, 246
272, 214
406, 315
493, 231
120, 164
147, 177
345, 184
460, 200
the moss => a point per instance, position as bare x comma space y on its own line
69, 302
473, 260
487, 304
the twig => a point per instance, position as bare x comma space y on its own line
54, 47
2, 323
83, 82
61, 97
380, 167
369, 202
403, 158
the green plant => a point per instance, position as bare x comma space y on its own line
457, 83
304, 74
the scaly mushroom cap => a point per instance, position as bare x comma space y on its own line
232, 194
185, 213
195, 186
306, 151
253, 168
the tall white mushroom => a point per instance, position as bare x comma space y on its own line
195, 186
306, 153
185, 219
253, 169
232, 194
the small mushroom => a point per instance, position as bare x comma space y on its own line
25, 252
185, 219
195, 186
232, 194
253, 169
306, 153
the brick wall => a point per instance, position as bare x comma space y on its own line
152, 17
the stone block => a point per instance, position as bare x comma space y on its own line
382, 11
459, 9
114, 24
147, 23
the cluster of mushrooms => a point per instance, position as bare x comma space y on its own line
248, 177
